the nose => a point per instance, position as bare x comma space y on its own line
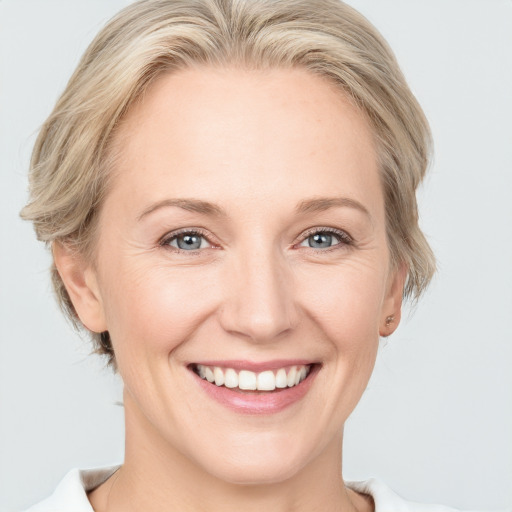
258, 297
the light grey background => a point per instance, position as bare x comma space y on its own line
436, 420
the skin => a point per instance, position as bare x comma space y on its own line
256, 144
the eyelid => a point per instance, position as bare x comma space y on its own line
165, 240
344, 236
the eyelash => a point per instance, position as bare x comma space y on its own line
166, 240
344, 238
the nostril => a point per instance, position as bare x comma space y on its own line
259, 328
259, 302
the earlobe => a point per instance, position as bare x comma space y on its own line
392, 307
81, 283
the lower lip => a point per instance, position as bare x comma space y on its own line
269, 402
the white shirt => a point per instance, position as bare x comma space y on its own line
71, 494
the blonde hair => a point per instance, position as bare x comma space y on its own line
71, 159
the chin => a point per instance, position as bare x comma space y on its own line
259, 460
254, 473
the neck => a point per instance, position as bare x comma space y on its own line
157, 477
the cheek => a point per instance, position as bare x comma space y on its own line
346, 302
153, 308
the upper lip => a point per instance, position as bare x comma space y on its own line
254, 366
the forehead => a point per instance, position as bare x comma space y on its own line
199, 131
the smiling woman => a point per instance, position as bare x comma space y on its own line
228, 190
210, 304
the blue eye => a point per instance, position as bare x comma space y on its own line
325, 239
187, 241
320, 240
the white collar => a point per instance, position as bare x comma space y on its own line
71, 494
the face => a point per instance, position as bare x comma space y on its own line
243, 240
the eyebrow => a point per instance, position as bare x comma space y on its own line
191, 205
313, 205
320, 204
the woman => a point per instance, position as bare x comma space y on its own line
228, 189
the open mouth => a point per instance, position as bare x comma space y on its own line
252, 388
248, 381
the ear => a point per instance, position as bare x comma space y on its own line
81, 283
392, 306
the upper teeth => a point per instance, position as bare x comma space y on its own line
267, 380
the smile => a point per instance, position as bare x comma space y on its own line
248, 380
255, 388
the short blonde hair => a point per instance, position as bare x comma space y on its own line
70, 162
